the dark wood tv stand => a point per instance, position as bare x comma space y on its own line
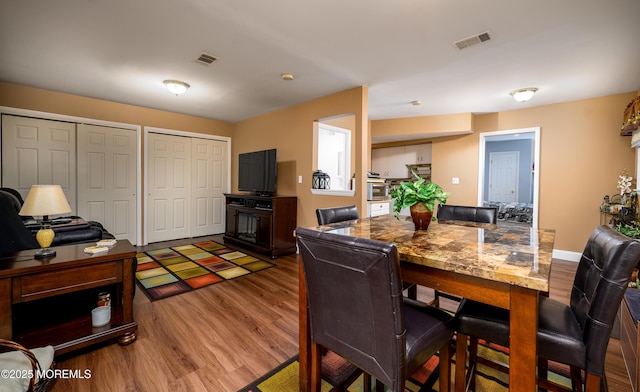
265, 224
49, 302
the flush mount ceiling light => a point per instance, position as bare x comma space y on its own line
417, 102
175, 86
286, 76
523, 94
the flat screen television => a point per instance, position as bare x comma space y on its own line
257, 172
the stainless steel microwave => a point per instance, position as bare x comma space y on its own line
377, 191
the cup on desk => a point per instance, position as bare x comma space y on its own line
100, 316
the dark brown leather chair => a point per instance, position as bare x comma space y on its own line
452, 214
448, 212
336, 214
357, 310
341, 214
575, 334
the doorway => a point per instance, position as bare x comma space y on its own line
527, 174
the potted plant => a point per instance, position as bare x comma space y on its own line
420, 196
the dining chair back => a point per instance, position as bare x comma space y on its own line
336, 214
341, 214
448, 212
357, 310
576, 334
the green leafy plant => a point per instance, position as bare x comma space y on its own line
629, 229
418, 191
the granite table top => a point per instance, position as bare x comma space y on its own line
509, 253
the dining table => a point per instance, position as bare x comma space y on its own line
506, 265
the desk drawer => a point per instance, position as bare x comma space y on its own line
379, 208
46, 284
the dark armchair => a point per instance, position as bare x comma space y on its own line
357, 310
576, 334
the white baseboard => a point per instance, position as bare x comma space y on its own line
566, 255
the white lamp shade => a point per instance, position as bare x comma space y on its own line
45, 200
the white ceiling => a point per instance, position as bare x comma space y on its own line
122, 50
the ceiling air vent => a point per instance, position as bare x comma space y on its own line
205, 59
473, 40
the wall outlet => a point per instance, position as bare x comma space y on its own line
455, 180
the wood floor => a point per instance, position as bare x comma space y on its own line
222, 337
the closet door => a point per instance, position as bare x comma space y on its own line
208, 183
107, 178
168, 195
38, 151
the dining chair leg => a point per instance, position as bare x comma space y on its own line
593, 383
461, 362
316, 367
473, 356
412, 292
445, 367
543, 371
366, 382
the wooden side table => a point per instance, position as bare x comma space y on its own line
49, 302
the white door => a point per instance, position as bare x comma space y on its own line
168, 193
107, 178
38, 151
208, 180
503, 176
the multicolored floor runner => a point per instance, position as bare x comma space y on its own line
285, 377
165, 272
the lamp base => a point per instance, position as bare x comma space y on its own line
44, 254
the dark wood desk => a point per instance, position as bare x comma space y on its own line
49, 302
506, 266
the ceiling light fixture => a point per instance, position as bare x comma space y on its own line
175, 86
523, 94
417, 102
286, 76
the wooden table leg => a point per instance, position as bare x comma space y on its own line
305, 342
522, 344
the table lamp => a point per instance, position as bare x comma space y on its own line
45, 200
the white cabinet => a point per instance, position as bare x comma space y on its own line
377, 208
419, 153
391, 162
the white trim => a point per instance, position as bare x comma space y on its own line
333, 192
175, 132
90, 121
566, 255
536, 163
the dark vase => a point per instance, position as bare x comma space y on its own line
421, 216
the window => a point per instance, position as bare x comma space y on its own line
334, 155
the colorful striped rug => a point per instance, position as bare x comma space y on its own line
285, 377
169, 271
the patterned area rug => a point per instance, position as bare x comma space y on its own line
166, 272
285, 377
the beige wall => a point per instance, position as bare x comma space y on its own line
581, 150
290, 130
582, 154
29, 98
424, 127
